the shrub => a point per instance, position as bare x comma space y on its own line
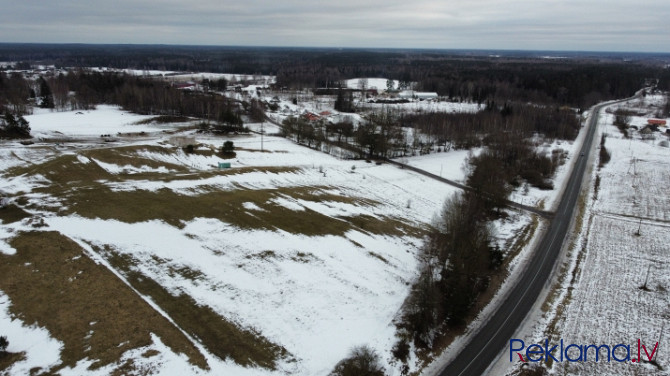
533, 371
400, 350
362, 361
3, 344
604, 156
228, 147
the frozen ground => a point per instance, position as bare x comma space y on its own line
318, 296
370, 83
103, 120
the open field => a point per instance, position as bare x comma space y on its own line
278, 265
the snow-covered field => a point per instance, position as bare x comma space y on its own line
196, 77
603, 299
105, 119
316, 295
379, 84
316, 292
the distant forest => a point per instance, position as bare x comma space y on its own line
573, 79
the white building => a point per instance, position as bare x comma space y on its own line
411, 94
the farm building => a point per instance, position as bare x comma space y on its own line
410, 94
311, 116
185, 86
182, 141
656, 122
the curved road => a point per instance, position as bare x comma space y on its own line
494, 336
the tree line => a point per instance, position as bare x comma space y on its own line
378, 136
456, 265
466, 130
578, 81
83, 89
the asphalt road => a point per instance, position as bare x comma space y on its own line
494, 336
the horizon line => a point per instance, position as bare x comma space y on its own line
371, 49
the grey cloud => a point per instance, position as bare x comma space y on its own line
514, 24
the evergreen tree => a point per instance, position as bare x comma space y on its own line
46, 97
390, 85
4, 343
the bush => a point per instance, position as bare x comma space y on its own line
3, 344
12, 126
533, 371
604, 156
228, 147
362, 361
400, 350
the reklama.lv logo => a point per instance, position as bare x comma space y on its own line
578, 353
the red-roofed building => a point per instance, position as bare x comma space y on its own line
656, 122
311, 116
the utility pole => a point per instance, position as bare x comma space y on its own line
660, 337
646, 279
639, 227
262, 131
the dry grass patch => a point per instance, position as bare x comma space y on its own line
64, 171
164, 119
82, 190
12, 213
129, 155
7, 359
385, 225
220, 336
53, 284
98, 201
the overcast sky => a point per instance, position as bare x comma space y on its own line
596, 25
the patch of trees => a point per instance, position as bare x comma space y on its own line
362, 361
82, 89
622, 118
13, 126
604, 155
342, 131
460, 257
46, 99
15, 93
378, 136
4, 343
467, 130
506, 163
345, 101
255, 109
303, 131
456, 264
